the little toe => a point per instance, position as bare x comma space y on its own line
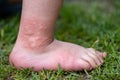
83, 65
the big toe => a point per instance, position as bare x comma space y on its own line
104, 54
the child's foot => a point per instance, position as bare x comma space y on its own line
68, 56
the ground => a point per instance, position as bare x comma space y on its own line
90, 24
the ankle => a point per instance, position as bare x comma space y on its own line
35, 33
34, 42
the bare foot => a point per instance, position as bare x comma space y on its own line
69, 56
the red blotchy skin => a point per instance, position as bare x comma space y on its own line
37, 34
33, 26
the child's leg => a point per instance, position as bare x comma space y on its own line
36, 47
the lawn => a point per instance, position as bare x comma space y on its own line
90, 24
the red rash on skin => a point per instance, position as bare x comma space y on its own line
35, 33
35, 26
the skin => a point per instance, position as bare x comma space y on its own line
36, 47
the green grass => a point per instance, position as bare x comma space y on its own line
94, 24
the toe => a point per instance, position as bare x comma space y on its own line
101, 54
83, 65
104, 54
96, 55
89, 60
